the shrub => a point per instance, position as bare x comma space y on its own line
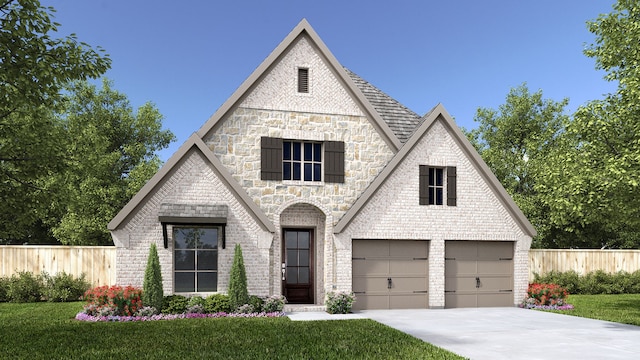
569, 280
546, 294
274, 303
63, 287
152, 294
4, 288
145, 311
217, 303
25, 287
245, 309
238, 294
123, 301
196, 300
256, 302
339, 302
175, 304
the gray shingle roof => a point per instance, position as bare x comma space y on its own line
400, 119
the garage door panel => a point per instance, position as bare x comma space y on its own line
370, 248
495, 250
496, 283
371, 267
494, 267
495, 299
409, 301
461, 266
408, 284
460, 283
370, 284
460, 300
408, 267
409, 249
371, 302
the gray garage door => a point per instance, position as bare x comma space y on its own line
478, 274
390, 274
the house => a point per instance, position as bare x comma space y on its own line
327, 183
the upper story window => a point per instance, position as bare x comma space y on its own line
436, 184
303, 80
301, 160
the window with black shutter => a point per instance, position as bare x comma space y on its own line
270, 158
432, 185
302, 160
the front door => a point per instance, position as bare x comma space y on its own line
298, 265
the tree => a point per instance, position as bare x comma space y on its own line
238, 294
34, 66
152, 293
515, 140
598, 170
110, 155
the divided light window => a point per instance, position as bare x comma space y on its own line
436, 186
196, 258
301, 160
303, 80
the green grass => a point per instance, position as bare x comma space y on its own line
48, 331
623, 308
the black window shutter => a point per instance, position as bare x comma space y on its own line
423, 185
334, 161
451, 186
270, 158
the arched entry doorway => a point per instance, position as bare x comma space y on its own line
302, 242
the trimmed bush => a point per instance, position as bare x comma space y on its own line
63, 287
256, 302
4, 288
238, 294
217, 303
596, 282
175, 304
25, 287
152, 294
339, 302
274, 303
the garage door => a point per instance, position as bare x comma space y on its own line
478, 274
390, 274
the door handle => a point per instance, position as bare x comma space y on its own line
388, 283
477, 282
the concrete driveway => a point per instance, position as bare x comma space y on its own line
513, 333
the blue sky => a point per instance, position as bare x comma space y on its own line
187, 57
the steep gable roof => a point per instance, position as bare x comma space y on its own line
400, 119
193, 142
305, 29
439, 113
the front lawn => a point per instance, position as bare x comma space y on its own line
623, 308
48, 331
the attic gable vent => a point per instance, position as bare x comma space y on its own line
303, 80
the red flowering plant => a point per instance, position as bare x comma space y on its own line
546, 296
113, 300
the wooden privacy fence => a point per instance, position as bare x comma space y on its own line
542, 261
98, 263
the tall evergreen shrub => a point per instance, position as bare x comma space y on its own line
152, 294
238, 294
